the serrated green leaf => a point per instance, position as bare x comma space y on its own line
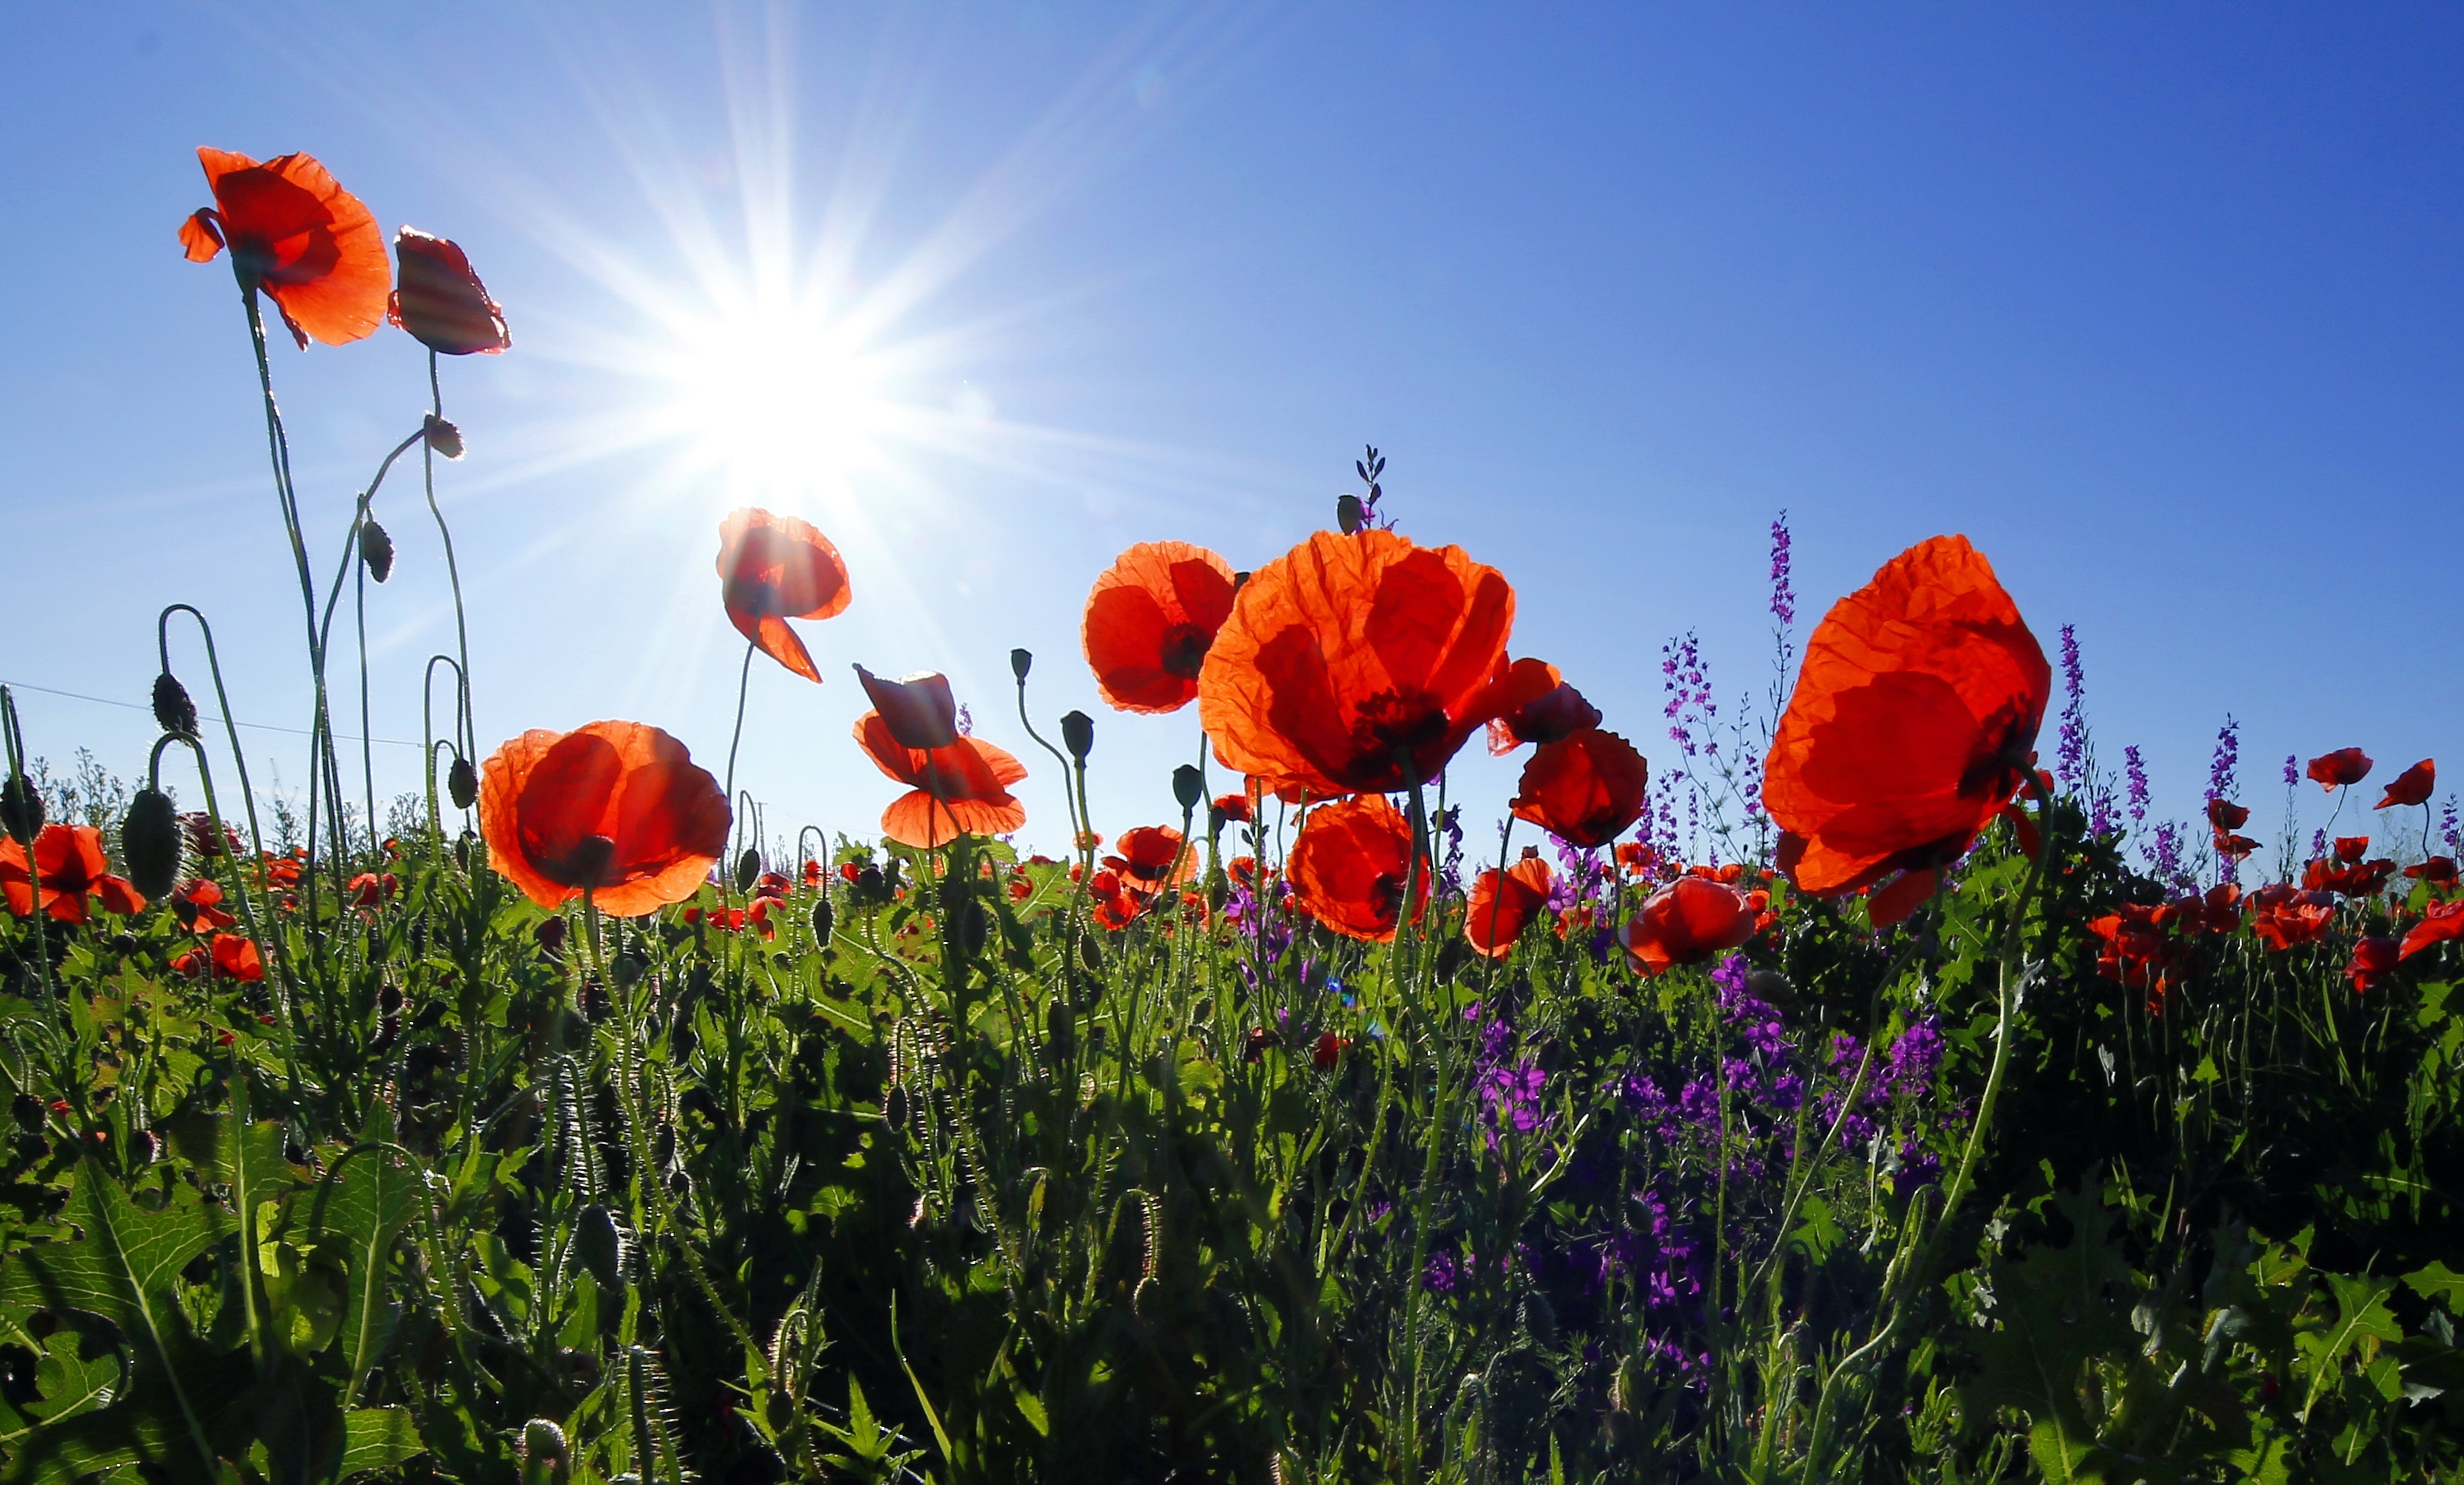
2439, 1284
362, 1208
377, 1438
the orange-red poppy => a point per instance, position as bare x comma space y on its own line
294, 231
2373, 962
1585, 789
2226, 815
1150, 621
773, 568
2282, 917
2439, 923
441, 301
1686, 923
1152, 857
617, 809
960, 787
198, 906
2413, 787
2341, 769
1356, 664
1913, 722
69, 867
1233, 809
1534, 704
917, 708
236, 958
1348, 867
1115, 906
1504, 902
2437, 871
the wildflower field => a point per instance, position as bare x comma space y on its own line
1891, 1093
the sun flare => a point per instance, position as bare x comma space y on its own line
779, 397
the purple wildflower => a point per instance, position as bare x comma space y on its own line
2447, 830
2135, 768
2292, 770
2070, 753
2221, 769
966, 722
1914, 1058
1783, 597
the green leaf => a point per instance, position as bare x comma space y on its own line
125, 1269
2441, 1283
377, 1438
2362, 1323
363, 1210
69, 1383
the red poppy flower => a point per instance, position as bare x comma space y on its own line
198, 906
1233, 808
917, 708
2439, 923
960, 787
2373, 962
1585, 789
2437, 871
1116, 907
2413, 787
2282, 917
1913, 722
1329, 1051
773, 568
69, 866
1536, 705
236, 958
1686, 923
1503, 904
1150, 621
1152, 857
441, 301
2342, 768
2354, 879
1356, 664
2226, 815
616, 807
2352, 848
299, 235
1349, 864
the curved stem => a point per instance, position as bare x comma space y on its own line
468, 742
13, 738
743, 685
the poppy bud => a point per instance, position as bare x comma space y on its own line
550, 935
376, 549
542, 1444
1188, 788
173, 711
1078, 735
973, 924
149, 837
21, 808
462, 782
601, 1247
1020, 662
748, 867
441, 301
442, 437
628, 968
824, 922
1347, 513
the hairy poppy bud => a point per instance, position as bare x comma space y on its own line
974, 925
442, 437
21, 808
149, 837
173, 711
601, 1247
1347, 513
542, 1445
1078, 735
748, 867
376, 549
628, 968
462, 782
824, 922
550, 935
1188, 786
1020, 661
1060, 1027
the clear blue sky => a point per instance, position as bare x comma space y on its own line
2157, 303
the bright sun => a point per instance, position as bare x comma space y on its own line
777, 396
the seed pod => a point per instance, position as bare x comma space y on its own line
376, 549
748, 868
173, 711
824, 922
462, 782
1188, 786
601, 1247
1078, 735
21, 808
442, 437
1060, 1027
1020, 662
1347, 513
150, 838
972, 924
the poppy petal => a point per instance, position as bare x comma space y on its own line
1151, 618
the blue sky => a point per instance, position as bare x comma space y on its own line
2157, 303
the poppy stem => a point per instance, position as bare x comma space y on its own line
284, 973
743, 685
468, 744
367, 749
1069, 804
14, 738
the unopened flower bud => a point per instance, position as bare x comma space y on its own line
748, 867
542, 1442
21, 808
599, 1245
824, 922
1020, 661
1078, 735
1188, 788
443, 436
462, 782
173, 711
150, 838
1347, 513
376, 549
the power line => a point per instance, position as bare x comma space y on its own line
258, 726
